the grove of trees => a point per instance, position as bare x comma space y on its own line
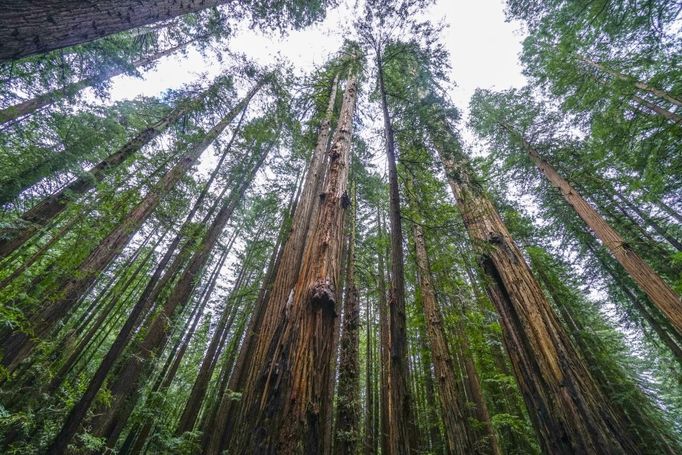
270, 261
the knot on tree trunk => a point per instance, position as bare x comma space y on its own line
323, 196
322, 296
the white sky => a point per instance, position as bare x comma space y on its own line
483, 47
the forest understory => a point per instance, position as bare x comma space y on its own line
339, 260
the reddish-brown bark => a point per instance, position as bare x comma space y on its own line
283, 404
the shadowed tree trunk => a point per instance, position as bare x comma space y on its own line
47, 209
384, 344
567, 409
458, 434
401, 439
110, 422
347, 431
283, 404
38, 26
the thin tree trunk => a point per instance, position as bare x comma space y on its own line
661, 295
47, 209
370, 433
460, 437
111, 422
401, 439
19, 345
567, 409
642, 310
651, 222
199, 388
487, 441
347, 430
34, 27
638, 84
668, 115
385, 345
283, 405
30, 106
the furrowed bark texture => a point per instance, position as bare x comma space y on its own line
19, 345
658, 291
30, 27
401, 439
567, 409
289, 263
347, 431
283, 404
457, 432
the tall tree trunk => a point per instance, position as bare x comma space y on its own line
661, 295
271, 309
660, 230
459, 436
283, 405
665, 113
19, 345
384, 344
347, 430
487, 438
30, 106
200, 387
370, 429
401, 439
567, 409
669, 339
34, 27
